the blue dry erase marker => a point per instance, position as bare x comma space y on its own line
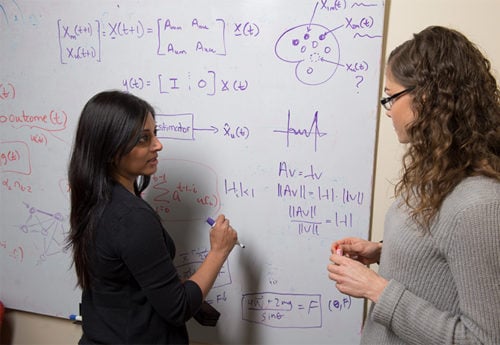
211, 222
75, 317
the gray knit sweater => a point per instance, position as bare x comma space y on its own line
444, 288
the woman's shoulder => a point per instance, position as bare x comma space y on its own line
125, 203
477, 188
125, 210
468, 211
472, 193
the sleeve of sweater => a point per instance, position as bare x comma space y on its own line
149, 261
473, 255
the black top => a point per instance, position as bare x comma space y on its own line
137, 296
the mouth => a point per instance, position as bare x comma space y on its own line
153, 160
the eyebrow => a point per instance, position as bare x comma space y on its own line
147, 130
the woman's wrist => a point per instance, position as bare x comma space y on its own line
376, 289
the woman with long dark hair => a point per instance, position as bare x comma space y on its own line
122, 255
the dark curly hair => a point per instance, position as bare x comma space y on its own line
456, 132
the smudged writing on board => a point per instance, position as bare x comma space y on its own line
178, 194
14, 252
220, 297
188, 262
10, 9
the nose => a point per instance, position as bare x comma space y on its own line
157, 145
388, 114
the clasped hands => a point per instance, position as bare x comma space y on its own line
350, 272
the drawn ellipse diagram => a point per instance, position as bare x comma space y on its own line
313, 48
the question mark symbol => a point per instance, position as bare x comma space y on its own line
360, 80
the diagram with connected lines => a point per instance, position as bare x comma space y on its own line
47, 231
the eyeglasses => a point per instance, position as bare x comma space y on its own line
387, 102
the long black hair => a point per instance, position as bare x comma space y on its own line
109, 127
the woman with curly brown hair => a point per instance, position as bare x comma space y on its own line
439, 276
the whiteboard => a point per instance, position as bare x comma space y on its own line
267, 112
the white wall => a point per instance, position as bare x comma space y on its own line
477, 19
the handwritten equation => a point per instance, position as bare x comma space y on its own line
182, 127
83, 41
313, 47
282, 310
208, 83
309, 194
40, 125
293, 310
259, 107
15, 157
